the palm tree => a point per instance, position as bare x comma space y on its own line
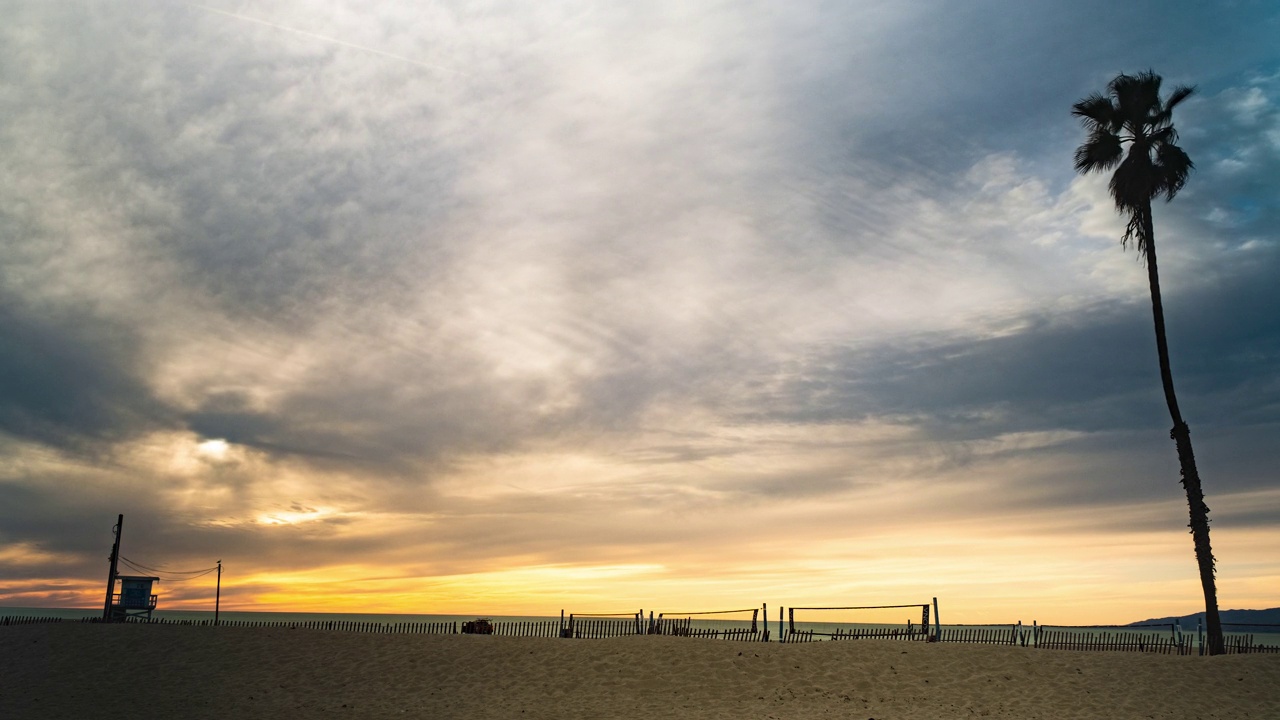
1132, 113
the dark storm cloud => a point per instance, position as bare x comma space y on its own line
1093, 370
71, 379
67, 514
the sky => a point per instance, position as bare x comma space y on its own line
507, 308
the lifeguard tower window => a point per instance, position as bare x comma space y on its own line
135, 593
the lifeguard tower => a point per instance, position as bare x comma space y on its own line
134, 599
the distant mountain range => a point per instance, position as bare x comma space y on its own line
1188, 622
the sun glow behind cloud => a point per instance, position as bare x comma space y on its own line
296, 517
213, 449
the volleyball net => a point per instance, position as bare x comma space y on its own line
744, 624
904, 622
602, 625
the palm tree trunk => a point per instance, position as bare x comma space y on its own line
1181, 435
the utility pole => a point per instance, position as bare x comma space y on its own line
217, 598
111, 576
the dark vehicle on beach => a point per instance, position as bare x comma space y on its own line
479, 626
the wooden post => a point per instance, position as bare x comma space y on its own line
937, 620
217, 598
111, 575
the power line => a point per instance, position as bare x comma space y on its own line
175, 579
172, 572
169, 575
164, 575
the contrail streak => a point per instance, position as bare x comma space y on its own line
325, 38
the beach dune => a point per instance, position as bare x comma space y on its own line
161, 671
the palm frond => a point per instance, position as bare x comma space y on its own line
1135, 233
1102, 151
1137, 99
1096, 112
1172, 168
1180, 93
1166, 135
1149, 87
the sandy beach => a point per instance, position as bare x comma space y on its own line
116, 671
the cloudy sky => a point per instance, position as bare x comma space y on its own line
509, 307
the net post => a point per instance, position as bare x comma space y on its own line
937, 619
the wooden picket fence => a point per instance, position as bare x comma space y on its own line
542, 628
1041, 637
442, 628
741, 635
538, 628
1047, 639
598, 628
738, 634
23, 620
675, 627
1014, 635
799, 636
1240, 644
909, 633
527, 628
683, 627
